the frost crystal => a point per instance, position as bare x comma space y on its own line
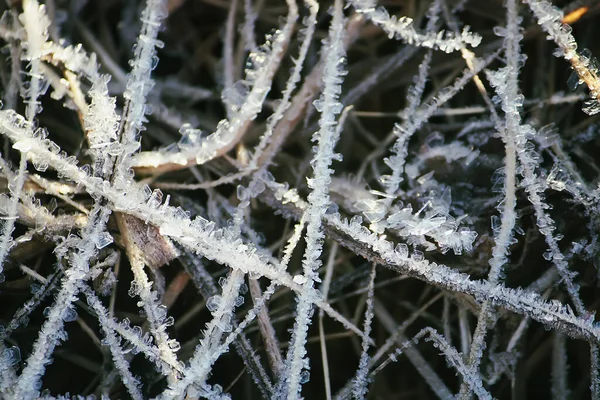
331, 163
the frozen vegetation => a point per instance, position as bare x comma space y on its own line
342, 199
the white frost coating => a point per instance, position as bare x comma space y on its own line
82, 249
203, 238
400, 149
403, 29
113, 342
550, 19
212, 245
35, 23
401, 238
505, 83
326, 138
516, 300
505, 233
361, 381
454, 359
246, 99
139, 83
283, 105
102, 123
377, 210
249, 25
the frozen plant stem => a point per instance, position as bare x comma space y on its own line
550, 19
36, 24
361, 382
73, 177
139, 83
154, 310
503, 238
329, 107
52, 331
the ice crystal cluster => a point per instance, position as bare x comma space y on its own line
292, 199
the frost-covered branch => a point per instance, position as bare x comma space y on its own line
318, 200
584, 65
403, 29
503, 234
139, 83
150, 242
